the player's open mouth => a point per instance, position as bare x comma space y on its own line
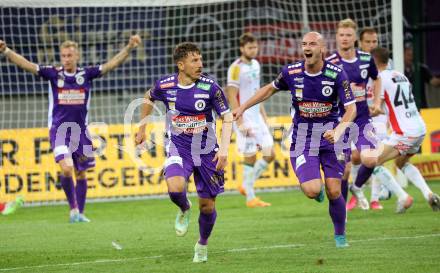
308, 55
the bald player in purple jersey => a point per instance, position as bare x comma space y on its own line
317, 87
69, 100
359, 67
191, 99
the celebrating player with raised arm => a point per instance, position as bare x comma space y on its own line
316, 87
252, 131
69, 97
190, 99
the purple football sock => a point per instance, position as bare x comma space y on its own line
337, 212
179, 198
81, 192
69, 190
363, 175
344, 189
206, 223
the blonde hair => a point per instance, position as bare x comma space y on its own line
348, 23
69, 43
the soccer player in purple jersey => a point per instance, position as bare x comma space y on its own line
359, 67
190, 99
317, 87
69, 98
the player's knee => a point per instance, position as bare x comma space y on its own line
269, 158
206, 208
67, 171
333, 193
80, 175
369, 161
355, 158
311, 192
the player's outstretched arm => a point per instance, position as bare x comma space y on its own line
222, 155
146, 109
17, 59
119, 58
261, 95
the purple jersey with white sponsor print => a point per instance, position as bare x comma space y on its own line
69, 93
358, 71
190, 117
315, 97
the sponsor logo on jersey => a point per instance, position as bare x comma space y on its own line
219, 99
314, 109
299, 80
60, 83
330, 73
235, 72
200, 105
327, 83
71, 96
189, 124
201, 96
167, 85
327, 91
295, 71
365, 58
364, 73
80, 80
172, 92
363, 66
172, 105
203, 86
347, 90
299, 94
359, 91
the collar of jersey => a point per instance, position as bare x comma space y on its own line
312, 75
69, 74
186, 86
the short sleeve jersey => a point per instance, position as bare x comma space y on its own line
190, 108
315, 97
358, 70
69, 93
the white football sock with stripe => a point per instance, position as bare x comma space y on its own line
248, 181
259, 167
413, 174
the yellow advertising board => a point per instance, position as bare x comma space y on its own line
27, 165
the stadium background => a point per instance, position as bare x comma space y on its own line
26, 162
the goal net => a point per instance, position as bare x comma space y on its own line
35, 29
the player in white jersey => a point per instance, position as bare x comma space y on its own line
251, 130
408, 127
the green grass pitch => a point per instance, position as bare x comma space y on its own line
294, 235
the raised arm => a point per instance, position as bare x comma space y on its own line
119, 58
17, 59
261, 95
147, 108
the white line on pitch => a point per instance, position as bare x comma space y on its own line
220, 251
